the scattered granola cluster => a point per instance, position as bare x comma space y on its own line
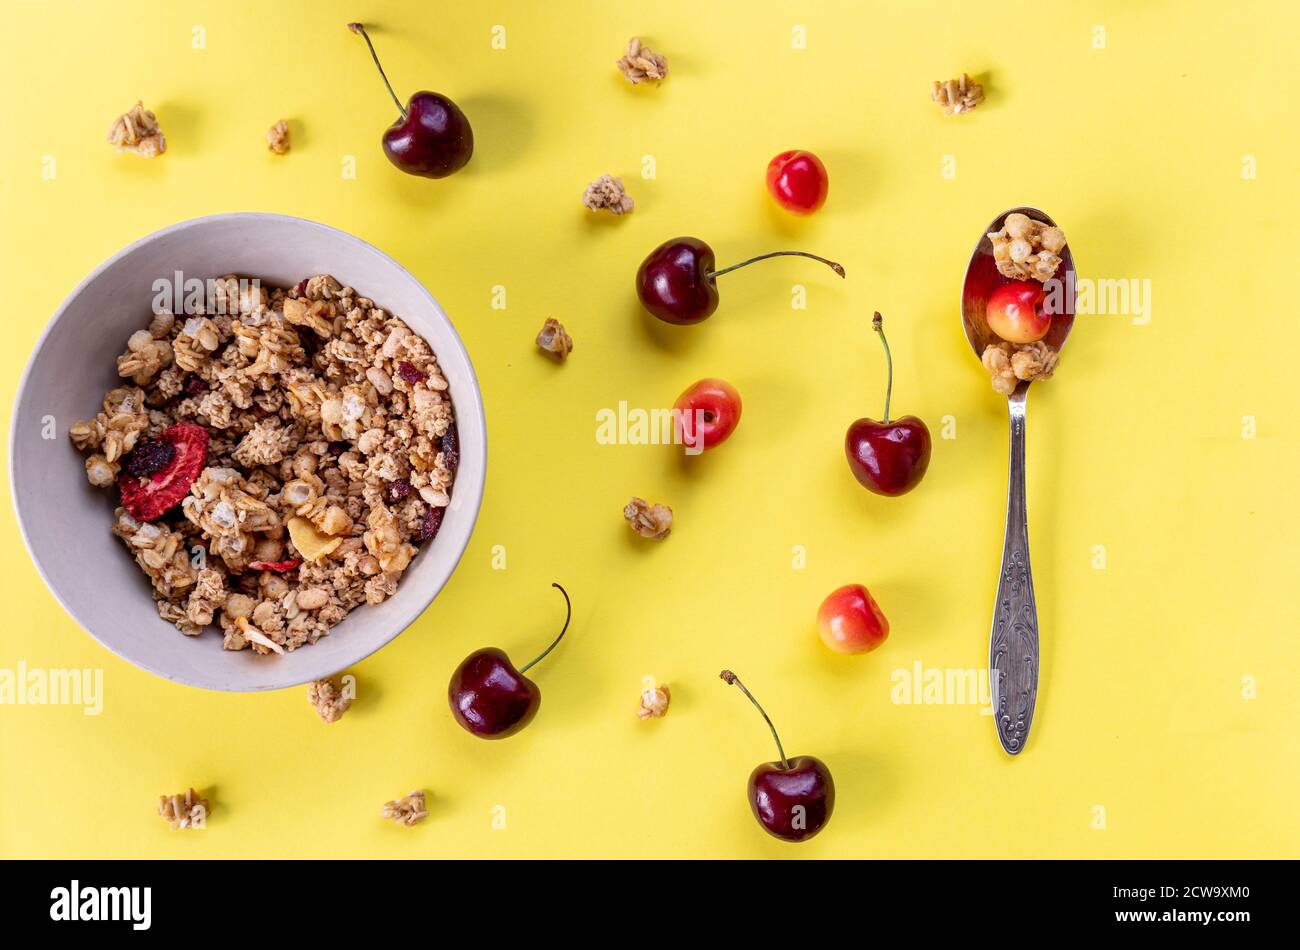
607, 193
641, 63
554, 339
1026, 249
137, 131
185, 810
1010, 363
329, 698
406, 811
957, 95
650, 521
654, 702
277, 137
279, 455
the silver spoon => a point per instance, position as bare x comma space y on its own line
1013, 641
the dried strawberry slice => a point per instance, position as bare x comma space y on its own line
148, 499
276, 567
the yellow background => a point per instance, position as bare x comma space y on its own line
1136, 149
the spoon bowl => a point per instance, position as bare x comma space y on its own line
982, 278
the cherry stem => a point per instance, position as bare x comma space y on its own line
762, 257
358, 28
734, 680
568, 613
878, 324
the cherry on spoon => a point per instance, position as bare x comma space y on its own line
489, 697
1013, 640
792, 798
676, 281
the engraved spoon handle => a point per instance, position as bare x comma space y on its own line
1013, 643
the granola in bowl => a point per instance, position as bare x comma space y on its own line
280, 457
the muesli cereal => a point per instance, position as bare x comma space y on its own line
185, 810
607, 193
555, 340
280, 457
641, 63
654, 702
277, 137
957, 95
649, 521
137, 130
407, 811
330, 698
1026, 249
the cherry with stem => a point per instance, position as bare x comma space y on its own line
431, 137
888, 457
489, 697
792, 798
677, 282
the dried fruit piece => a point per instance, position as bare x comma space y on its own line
397, 490
147, 499
654, 702
431, 524
451, 447
137, 131
311, 544
196, 386
409, 373
406, 811
275, 567
148, 457
607, 193
277, 137
641, 63
649, 521
554, 339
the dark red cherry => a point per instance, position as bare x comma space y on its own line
492, 699
792, 801
676, 281
431, 138
888, 458
791, 798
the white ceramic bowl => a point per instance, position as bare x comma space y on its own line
66, 522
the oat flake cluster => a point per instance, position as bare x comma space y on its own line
279, 459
